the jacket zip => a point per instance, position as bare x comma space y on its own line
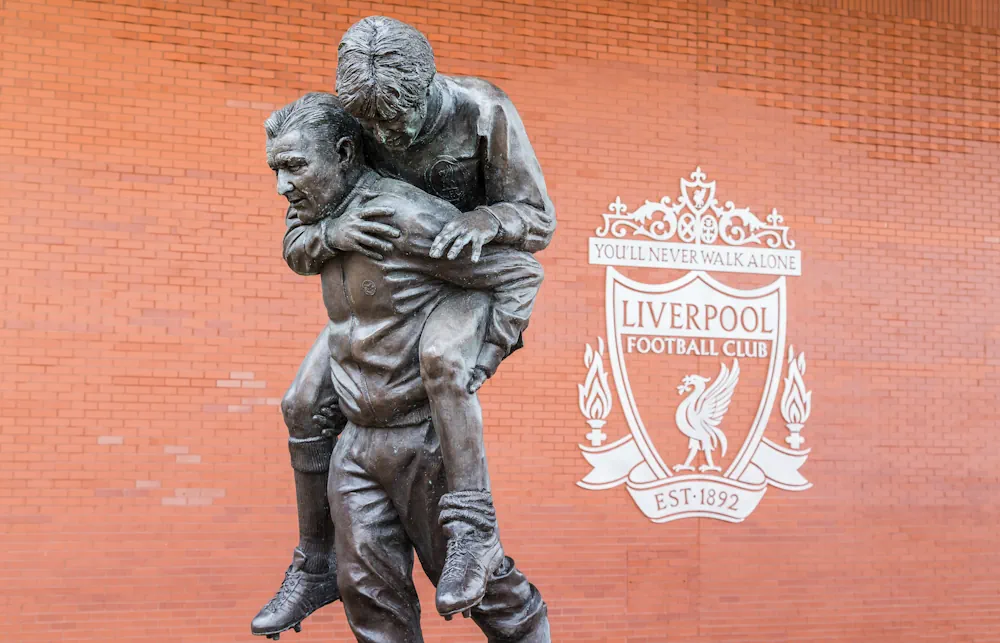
350, 338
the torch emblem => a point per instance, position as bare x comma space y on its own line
796, 401
595, 394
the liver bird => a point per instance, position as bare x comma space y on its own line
699, 198
699, 414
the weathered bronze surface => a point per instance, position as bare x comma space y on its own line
418, 200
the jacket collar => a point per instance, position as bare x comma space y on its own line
365, 183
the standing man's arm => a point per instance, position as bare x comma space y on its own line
519, 212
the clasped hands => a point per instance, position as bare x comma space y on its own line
356, 231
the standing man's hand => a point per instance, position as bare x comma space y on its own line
354, 231
490, 356
474, 229
329, 420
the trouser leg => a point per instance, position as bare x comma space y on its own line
374, 553
512, 610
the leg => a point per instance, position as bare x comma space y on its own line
710, 466
375, 556
693, 451
310, 448
310, 582
449, 344
512, 609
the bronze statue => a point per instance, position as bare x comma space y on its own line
462, 140
388, 490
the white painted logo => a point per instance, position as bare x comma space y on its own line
701, 452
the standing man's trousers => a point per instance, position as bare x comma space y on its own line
384, 489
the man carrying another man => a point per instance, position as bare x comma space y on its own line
462, 140
387, 477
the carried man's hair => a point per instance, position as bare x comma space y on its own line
384, 67
319, 111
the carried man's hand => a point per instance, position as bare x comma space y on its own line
354, 231
474, 229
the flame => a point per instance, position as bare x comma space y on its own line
796, 401
595, 394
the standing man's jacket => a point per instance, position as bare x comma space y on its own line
377, 309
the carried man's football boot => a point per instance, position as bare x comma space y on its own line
311, 580
474, 551
300, 594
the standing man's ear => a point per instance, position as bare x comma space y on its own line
346, 151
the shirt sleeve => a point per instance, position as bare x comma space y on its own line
515, 187
304, 246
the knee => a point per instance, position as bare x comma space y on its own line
297, 412
443, 368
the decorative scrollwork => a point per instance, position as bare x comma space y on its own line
654, 219
709, 230
688, 227
695, 217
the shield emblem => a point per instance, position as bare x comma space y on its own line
698, 194
694, 358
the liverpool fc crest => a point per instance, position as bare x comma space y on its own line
697, 362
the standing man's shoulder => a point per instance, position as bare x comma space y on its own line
408, 200
417, 214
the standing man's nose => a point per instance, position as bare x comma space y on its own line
284, 185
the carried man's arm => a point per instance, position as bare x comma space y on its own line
306, 247
520, 213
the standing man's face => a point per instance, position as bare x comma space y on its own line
398, 133
308, 172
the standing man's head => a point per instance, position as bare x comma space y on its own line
384, 73
314, 148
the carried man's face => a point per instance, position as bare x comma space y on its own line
397, 133
307, 173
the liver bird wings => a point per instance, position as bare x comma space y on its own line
714, 402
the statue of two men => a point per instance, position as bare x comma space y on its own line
419, 201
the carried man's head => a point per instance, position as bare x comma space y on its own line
314, 148
384, 72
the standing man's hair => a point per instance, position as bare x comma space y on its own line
384, 67
319, 111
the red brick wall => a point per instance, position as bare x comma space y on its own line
149, 325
